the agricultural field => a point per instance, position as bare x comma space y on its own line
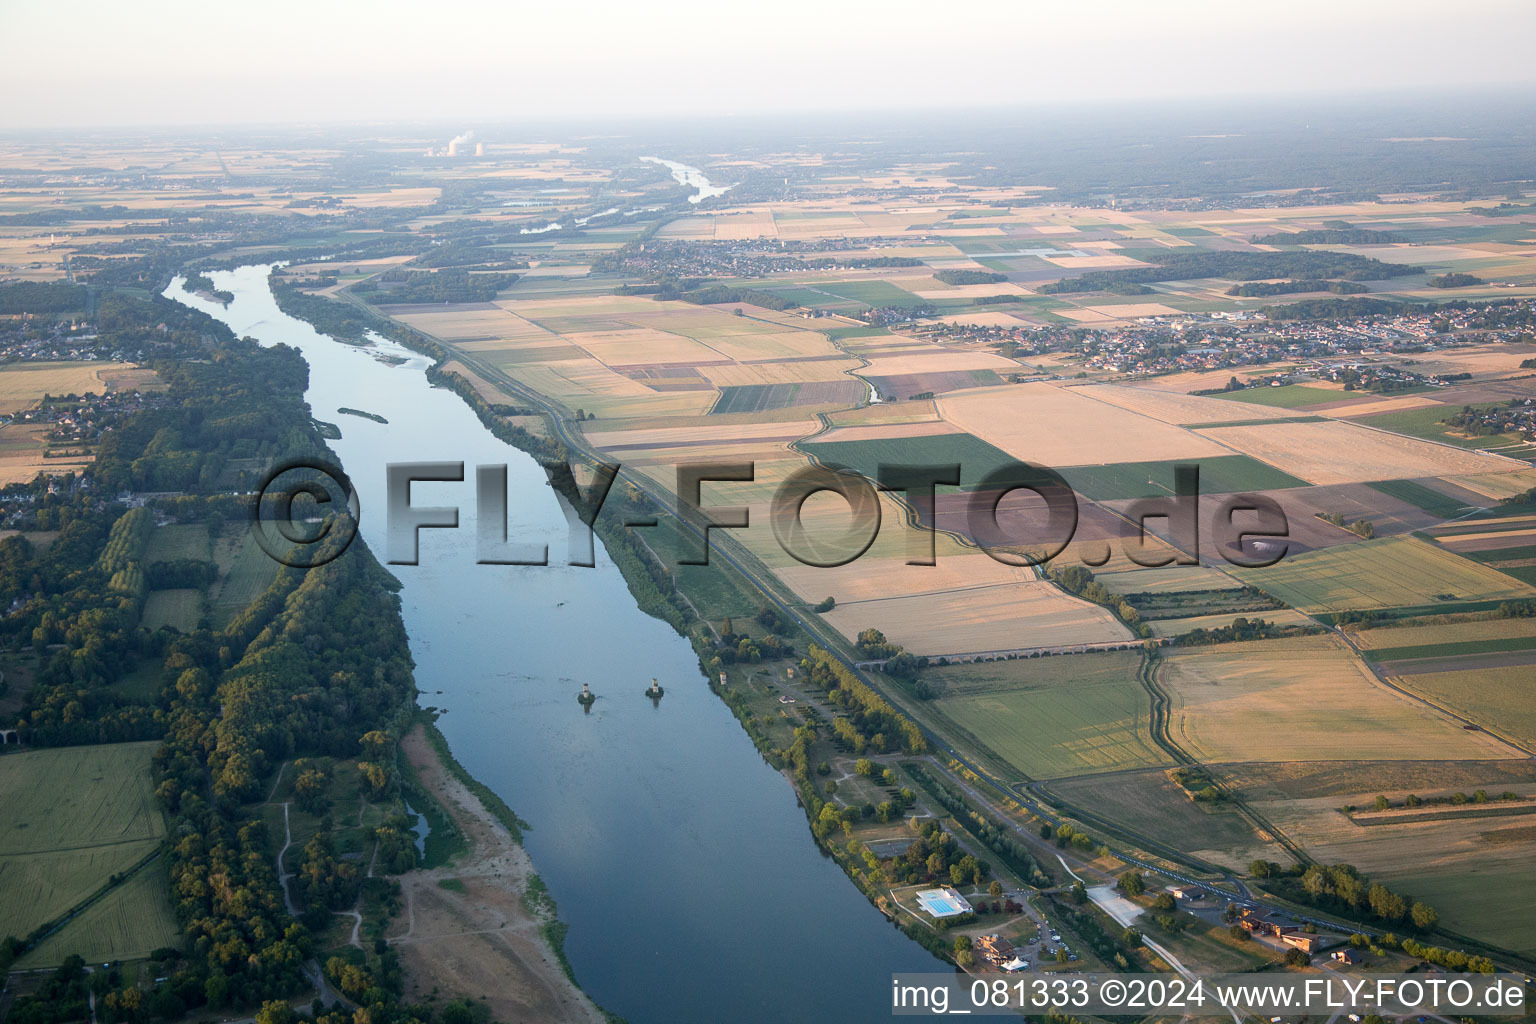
977, 619
1219, 474
1148, 803
653, 384
177, 541
1338, 452
244, 572
180, 609
1501, 698
23, 385
1057, 427
1175, 407
1291, 396
74, 817
1301, 699
1436, 503
1053, 717
128, 923
1477, 873
912, 446
22, 454
1439, 633
1395, 572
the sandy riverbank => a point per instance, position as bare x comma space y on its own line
479, 940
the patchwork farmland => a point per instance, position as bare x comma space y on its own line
858, 318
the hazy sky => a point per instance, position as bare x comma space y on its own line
102, 62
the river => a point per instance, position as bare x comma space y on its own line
681, 861
690, 176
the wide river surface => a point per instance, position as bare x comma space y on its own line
681, 861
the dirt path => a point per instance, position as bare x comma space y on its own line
282, 873
477, 938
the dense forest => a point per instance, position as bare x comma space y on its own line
1263, 289
422, 286
1235, 266
35, 297
1332, 236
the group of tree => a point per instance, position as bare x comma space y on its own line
427, 286
1343, 889
1332, 236
1264, 289
734, 647
1000, 839
18, 297
871, 714
1362, 528
1236, 266
964, 277
1454, 280
1078, 579
934, 856
1241, 628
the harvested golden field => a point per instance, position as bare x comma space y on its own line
708, 433
761, 346
1499, 485
22, 385
1131, 310
1336, 452
1165, 578
920, 411
21, 454
1487, 540
1302, 699
1482, 361
936, 360
1058, 427
881, 431
477, 325
725, 375
642, 346
1203, 380
1172, 406
932, 289
996, 618
1452, 632
1401, 404
871, 578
